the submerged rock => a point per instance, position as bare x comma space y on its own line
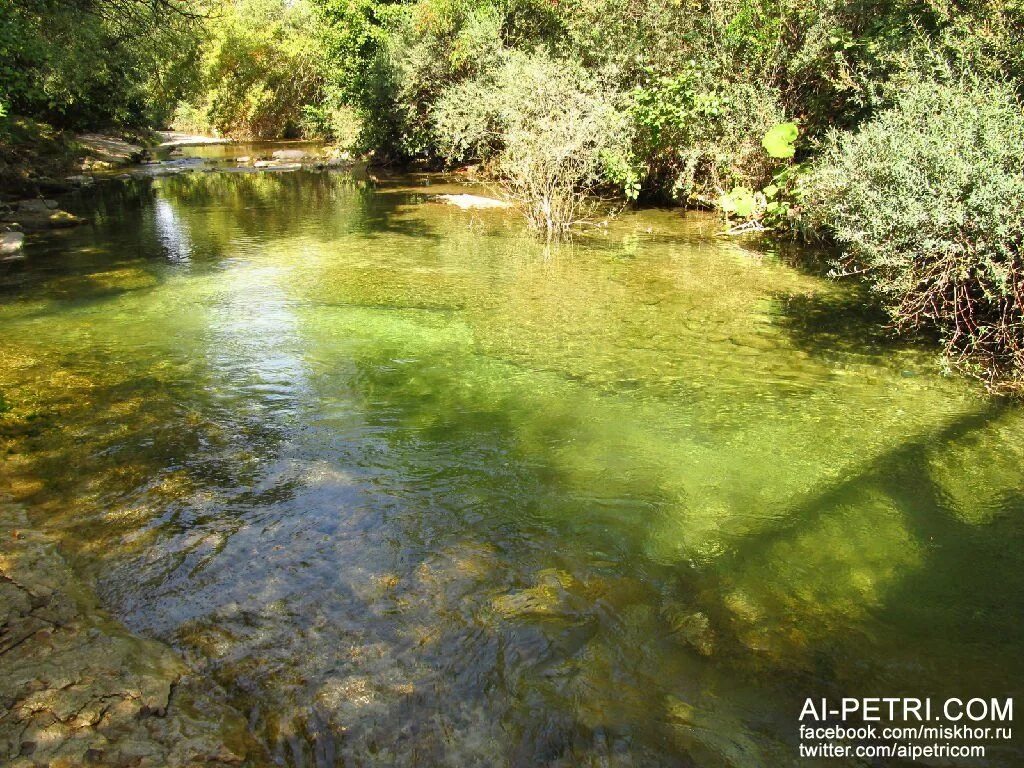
692, 627
78, 688
550, 596
713, 737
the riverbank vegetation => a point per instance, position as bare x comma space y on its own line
890, 128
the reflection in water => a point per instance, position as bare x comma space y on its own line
419, 494
171, 232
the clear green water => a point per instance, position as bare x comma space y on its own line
417, 492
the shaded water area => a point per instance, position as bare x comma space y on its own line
418, 492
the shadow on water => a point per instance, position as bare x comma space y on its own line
848, 321
938, 614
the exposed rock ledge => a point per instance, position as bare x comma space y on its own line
467, 202
171, 139
78, 689
106, 151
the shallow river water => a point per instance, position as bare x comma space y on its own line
418, 492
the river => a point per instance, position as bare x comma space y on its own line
419, 491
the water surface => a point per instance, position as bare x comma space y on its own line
417, 491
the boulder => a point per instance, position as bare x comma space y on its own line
36, 206
63, 219
691, 627
35, 219
291, 155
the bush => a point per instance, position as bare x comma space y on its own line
926, 201
262, 73
428, 47
700, 133
339, 124
394, 60
554, 135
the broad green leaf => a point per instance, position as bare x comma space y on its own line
778, 141
739, 202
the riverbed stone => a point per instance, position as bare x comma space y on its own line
549, 596
291, 155
691, 627
79, 689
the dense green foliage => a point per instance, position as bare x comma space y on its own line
567, 101
704, 79
88, 63
554, 134
926, 199
261, 74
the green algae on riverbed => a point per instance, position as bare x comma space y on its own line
418, 491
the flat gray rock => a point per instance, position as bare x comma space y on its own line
467, 202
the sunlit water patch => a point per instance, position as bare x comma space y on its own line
419, 491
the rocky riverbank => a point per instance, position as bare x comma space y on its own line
36, 159
77, 688
30, 215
